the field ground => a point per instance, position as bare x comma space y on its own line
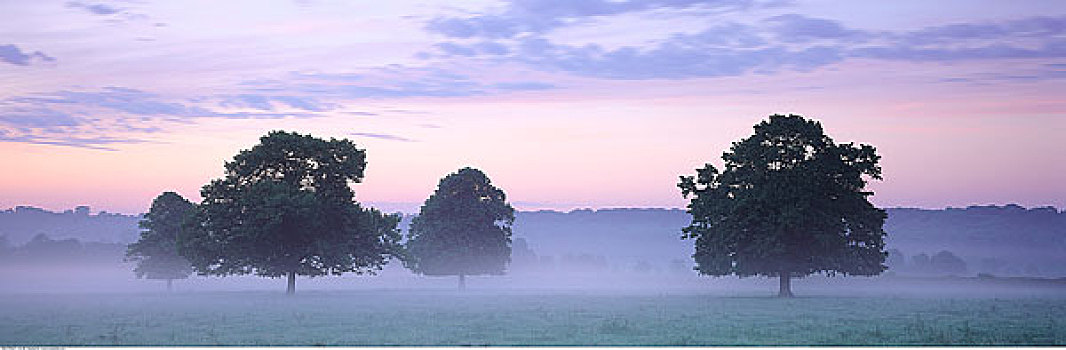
445, 317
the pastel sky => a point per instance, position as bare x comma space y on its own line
564, 104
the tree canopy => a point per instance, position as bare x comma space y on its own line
156, 252
286, 208
788, 202
463, 229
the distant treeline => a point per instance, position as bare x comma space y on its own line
42, 250
21, 224
999, 240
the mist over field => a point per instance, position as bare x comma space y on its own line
640, 249
585, 277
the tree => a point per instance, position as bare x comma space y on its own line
463, 229
286, 208
156, 252
789, 202
522, 257
947, 263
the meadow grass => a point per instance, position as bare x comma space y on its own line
392, 317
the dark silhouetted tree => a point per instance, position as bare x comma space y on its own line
788, 203
463, 229
286, 208
156, 252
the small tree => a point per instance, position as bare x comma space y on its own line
285, 208
156, 252
789, 202
522, 257
463, 229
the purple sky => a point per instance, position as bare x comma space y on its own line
563, 104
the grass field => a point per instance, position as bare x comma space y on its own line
441, 317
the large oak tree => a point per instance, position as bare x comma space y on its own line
463, 229
286, 208
789, 202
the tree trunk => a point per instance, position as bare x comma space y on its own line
786, 285
462, 282
169, 282
292, 284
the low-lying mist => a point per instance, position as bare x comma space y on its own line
967, 251
57, 302
60, 278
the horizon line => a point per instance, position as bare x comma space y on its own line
377, 205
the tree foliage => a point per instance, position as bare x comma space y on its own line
285, 207
464, 228
156, 252
788, 202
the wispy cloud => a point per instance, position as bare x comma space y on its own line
96, 9
79, 117
101, 143
777, 43
1043, 73
794, 28
1039, 28
269, 103
389, 82
520, 17
111, 13
93, 119
726, 50
13, 55
522, 86
127, 102
36, 117
383, 136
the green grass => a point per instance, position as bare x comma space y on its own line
387, 317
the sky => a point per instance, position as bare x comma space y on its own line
563, 104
